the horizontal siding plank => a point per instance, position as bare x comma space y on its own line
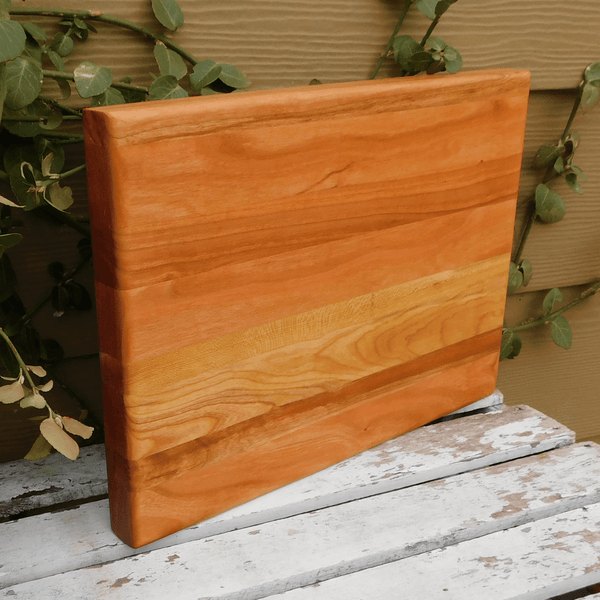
561, 383
301, 550
286, 44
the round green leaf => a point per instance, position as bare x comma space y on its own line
33, 51
168, 13
420, 61
233, 77
572, 181
548, 204
35, 31
561, 332
62, 44
91, 79
527, 270
60, 198
166, 87
427, 7
436, 43
109, 97
592, 72
506, 345
205, 72
8, 240
169, 62
441, 7
404, 48
23, 79
553, 296
12, 40
452, 59
56, 60
590, 95
517, 344
45, 147
515, 278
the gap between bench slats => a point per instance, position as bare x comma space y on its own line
267, 559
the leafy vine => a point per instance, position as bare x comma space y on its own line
34, 130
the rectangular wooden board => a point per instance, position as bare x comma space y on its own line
286, 278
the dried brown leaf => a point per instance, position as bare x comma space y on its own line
11, 393
76, 428
59, 439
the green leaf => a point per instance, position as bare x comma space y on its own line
559, 165
20, 188
452, 59
206, 91
553, 296
33, 401
91, 79
527, 270
442, 6
28, 128
65, 88
427, 7
169, 62
592, 72
56, 60
80, 24
168, 13
45, 147
35, 31
205, 72
62, 44
23, 81
420, 61
109, 97
562, 335
515, 278
8, 240
404, 47
590, 95
54, 119
4, 10
33, 51
60, 198
548, 204
572, 180
12, 40
510, 346
233, 77
3, 90
547, 154
166, 87
436, 43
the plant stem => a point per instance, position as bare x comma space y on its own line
26, 318
69, 220
16, 354
67, 109
71, 77
72, 172
594, 289
574, 110
98, 16
430, 30
66, 138
526, 232
391, 40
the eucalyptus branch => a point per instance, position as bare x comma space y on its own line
574, 110
98, 16
390, 43
63, 107
69, 220
594, 289
18, 358
65, 138
71, 77
432, 26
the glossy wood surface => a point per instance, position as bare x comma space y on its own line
287, 278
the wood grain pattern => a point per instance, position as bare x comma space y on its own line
287, 278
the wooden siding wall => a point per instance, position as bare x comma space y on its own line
280, 43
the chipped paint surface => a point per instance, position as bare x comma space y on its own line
378, 532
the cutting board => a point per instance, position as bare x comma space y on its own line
286, 278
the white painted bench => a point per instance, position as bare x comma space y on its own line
498, 505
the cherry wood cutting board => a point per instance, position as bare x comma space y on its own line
286, 278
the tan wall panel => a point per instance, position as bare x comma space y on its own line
565, 253
561, 383
284, 43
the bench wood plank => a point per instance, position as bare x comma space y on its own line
535, 561
301, 550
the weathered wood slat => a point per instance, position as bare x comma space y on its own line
28, 485
433, 452
536, 561
302, 550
